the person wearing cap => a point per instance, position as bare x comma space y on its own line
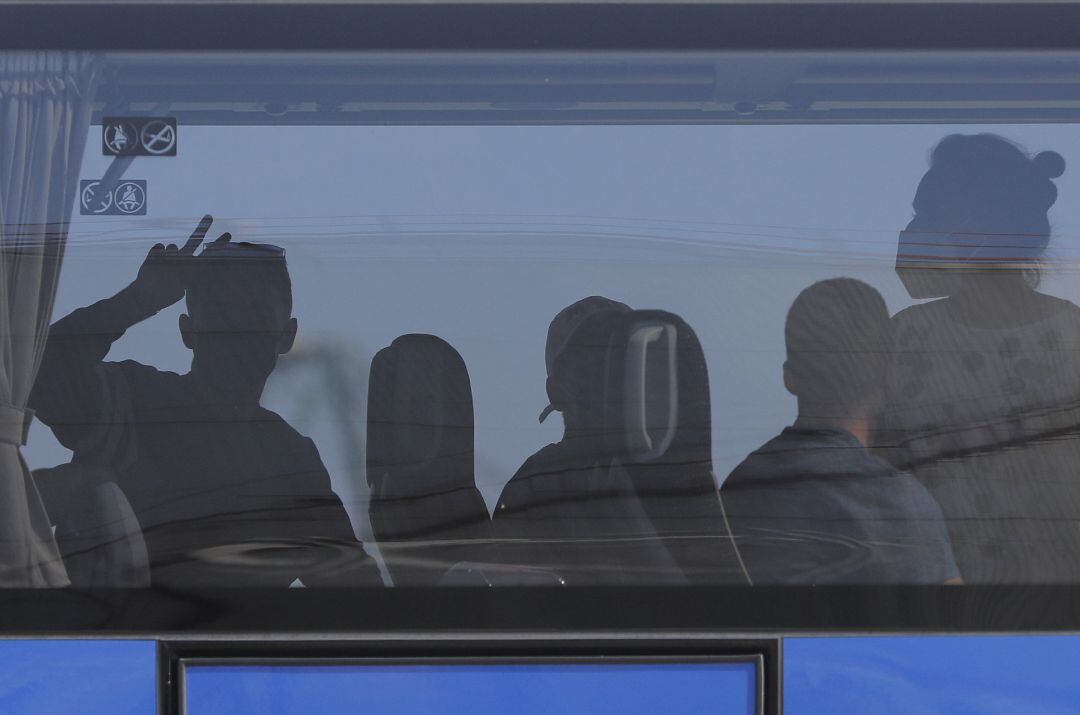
572, 508
984, 389
214, 478
559, 335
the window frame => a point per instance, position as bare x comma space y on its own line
764, 654
520, 614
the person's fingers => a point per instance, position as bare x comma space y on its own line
221, 240
156, 251
197, 235
171, 251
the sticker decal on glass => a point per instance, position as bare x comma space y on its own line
127, 198
138, 136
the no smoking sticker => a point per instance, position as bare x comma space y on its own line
127, 198
138, 136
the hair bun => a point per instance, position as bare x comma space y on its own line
1049, 164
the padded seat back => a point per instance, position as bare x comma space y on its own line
426, 512
658, 420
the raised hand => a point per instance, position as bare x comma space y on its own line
166, 271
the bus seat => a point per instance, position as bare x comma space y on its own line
658, 416
96, 529
426, 512
571, 508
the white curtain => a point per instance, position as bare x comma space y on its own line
45, 105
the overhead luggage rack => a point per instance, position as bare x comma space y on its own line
229, 88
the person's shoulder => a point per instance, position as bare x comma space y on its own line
134, 370
747, 473
1058, 309
906, 512
549, 462
1053, 304
912, 495
281, 430
272, 420
520, 491
929, 312
828, 472
145, 382
895, 491
284, 440
775, 460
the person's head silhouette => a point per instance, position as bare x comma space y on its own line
239, 318
564, 384
838, 336
981, 208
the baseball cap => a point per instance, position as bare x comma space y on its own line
565, 323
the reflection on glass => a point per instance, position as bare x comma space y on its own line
985, 383
463, 197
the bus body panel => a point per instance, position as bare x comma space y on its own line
958, 675
89, 677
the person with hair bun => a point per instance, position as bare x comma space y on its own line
984, 388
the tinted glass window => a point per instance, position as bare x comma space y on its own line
784, 319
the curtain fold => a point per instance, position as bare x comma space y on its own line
45, 108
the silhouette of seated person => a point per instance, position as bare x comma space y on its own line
984, 388
426, 512
571, 508
226, 492
813, 505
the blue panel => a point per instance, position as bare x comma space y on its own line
954, 675
85, 677
672, 689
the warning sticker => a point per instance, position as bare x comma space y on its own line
127, 198
138, 136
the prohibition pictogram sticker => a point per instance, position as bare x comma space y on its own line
158, 137
139, 136
119, 138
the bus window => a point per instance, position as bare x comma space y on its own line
809, 325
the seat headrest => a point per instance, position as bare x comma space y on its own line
643, 380
420, 412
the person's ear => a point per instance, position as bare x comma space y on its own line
288, 337
187, 331
556, 391
791, 382
561, 393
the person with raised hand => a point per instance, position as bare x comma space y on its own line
226, 492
